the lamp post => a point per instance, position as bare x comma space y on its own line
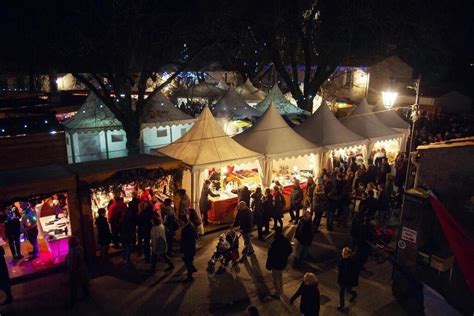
389, 98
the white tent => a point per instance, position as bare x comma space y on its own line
94, 133
364, 122
206, 145
284, 106
162, 123
390, 118
232, 105
249, 92
273, 137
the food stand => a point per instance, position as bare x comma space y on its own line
287, 155
211, 154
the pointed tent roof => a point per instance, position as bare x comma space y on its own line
231, 104
160, 111
202, 90
93, 116
206, 143
284, 106
272, 136
324, 129
364, 122
249, 92
390, 118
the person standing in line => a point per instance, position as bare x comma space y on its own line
278, 206
29, 224
277, 259
245, 221
189, 237
104, 237
256, 205
159, 245
310, 296
77, 270
5, 278
347, 277
267, 210
296, 201
304, 234
204, 203
318, 205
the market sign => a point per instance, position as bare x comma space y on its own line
409, 235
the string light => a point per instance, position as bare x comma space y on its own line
45, 121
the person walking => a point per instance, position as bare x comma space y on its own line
204, 203
144, 217
29, 224
267, 209
172, 225
278, 206
245, 221
304, 234
77, 270
189, 237
310, 296
277, 259
256, 205
347, 277
319, 203
296, 202
115, 214
5, 278
104, 236
159, 244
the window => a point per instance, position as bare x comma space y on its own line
162, 133
116, 138
347, 78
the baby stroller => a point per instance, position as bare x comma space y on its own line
227, 250
382, 237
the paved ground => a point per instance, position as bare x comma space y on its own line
134, 291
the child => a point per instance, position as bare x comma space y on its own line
104, 235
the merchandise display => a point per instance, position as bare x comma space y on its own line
57, 231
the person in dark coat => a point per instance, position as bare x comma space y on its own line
133, 206
144, 217
332, 202
347, 277
319, 205
13, 231
256, 205
189, 237
370, 205
267, 210
245, 221
115, 214
310, 297
278, 206
244, 194
277, 259
104, 237
5, 278
384, 204
127, 229
77, 270
171, 224
296, 201
310, 187
304, 234
204, 203
29, 224
383, 171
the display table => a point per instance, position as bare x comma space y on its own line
56, 234
223, 208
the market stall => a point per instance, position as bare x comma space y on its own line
162, 123
287, 155
339, 142
283, 106
203, 93
390, 118
43, 199
250, 93
211, 154
231, 112
364, 122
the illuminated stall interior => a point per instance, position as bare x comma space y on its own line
339, 142
211, 154
391, 118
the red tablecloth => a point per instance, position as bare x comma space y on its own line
223, 211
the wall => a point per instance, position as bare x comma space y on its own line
348, 83
151, 140
32, 150
92, 146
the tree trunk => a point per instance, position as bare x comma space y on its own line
132, 130
53, 86
306, 104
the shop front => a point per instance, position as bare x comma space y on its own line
38, 214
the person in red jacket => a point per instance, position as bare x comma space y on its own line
115, 213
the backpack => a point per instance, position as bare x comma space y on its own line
160, 245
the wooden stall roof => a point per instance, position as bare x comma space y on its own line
9, 178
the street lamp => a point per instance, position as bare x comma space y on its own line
389, 98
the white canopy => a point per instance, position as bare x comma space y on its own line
206, 144
284, 106
159, 111
390, 118
324, 129
272, 136
249, 92
93, 116
364, 122
231, 104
